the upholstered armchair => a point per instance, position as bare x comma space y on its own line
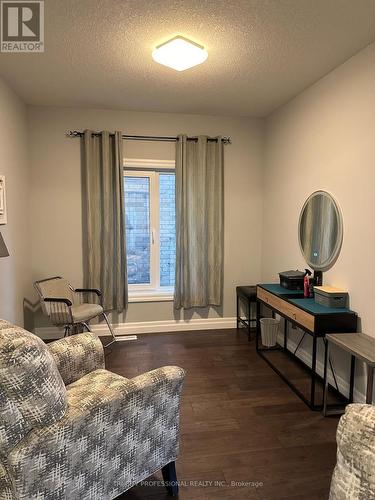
70, 429
354, 475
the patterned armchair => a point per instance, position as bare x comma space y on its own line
354, 474
69, 429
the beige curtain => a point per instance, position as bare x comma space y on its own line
104, 251
199, 223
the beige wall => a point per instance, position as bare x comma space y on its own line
15, 275
322, 139
325, 139
56, 198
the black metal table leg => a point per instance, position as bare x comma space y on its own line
249, 319
285, 334
325, 376
337, 408
370, 384
352, 374
238, 311
257, 332
299, 343
313, 371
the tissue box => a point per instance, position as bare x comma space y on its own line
331, 297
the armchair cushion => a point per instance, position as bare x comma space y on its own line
33, 392
125, 429
354, 474
77, 355
85, 312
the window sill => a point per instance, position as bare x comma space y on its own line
151, 295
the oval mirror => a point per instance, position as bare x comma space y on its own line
320, 231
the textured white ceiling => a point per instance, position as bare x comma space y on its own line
261, 53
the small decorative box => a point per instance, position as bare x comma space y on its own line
331, 297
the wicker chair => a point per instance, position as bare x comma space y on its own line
65, 306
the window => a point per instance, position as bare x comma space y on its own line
150, 228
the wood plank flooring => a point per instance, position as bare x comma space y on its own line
244, 433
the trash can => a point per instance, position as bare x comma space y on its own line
269, 328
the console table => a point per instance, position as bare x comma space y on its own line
313, 319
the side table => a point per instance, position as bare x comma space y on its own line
360, 346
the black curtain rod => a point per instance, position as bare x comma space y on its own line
77, 133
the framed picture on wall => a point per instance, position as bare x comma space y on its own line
3, 201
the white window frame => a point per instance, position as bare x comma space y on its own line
151, 292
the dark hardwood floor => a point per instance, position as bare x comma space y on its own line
244, 433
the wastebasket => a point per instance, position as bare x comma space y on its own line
269, 328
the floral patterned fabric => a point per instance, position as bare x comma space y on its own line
114, 431
354, 474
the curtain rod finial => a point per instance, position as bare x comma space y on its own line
73, 133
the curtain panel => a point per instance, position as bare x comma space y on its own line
104, 249
199, 222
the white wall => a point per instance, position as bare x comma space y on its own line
56, 191
325, 139
15, 272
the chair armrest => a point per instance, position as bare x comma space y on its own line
126, 429
95, 291
88, 290
77, 355
58, 300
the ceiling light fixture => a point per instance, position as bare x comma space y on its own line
179, 53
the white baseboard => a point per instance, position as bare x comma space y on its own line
147, 327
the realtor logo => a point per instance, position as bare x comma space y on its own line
22, 26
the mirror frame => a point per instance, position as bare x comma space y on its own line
340, 233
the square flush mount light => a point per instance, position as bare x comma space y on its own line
179, 53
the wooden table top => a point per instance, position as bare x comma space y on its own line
359, 344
